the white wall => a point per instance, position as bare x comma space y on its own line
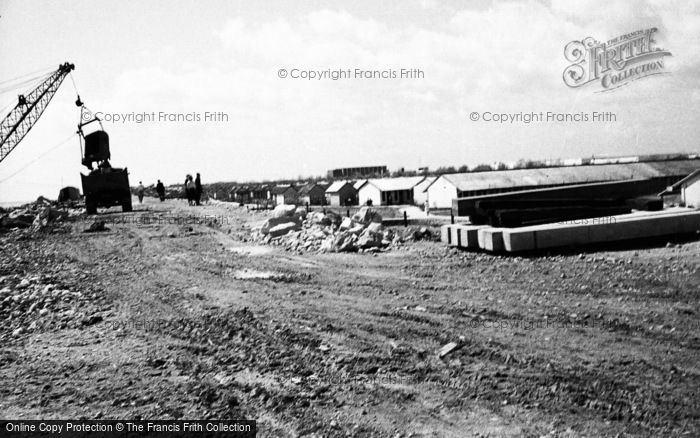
369, 191
691, 195
441, 193
419, 196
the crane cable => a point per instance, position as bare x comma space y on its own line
42, 72
40, 156
34, 83
34, 79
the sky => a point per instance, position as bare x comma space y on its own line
187, 58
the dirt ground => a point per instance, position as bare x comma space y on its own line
163, 320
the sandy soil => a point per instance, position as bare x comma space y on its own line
164, 320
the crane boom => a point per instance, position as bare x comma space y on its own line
29, 108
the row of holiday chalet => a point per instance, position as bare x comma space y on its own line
676, 176
381, 191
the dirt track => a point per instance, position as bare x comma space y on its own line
194, 321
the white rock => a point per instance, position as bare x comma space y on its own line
284, 210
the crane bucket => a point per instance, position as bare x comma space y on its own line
96, 147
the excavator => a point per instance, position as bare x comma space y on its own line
103, 186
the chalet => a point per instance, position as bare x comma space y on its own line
284, 194
312, 194
389, 191
341, 193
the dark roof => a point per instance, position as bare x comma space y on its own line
278, 190
307, 188
336, 186
569, 174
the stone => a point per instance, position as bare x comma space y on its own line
358, 229
300, 212
375, 227
366, 215
96, 226
274, 221
331, 219
368, 240
284, 210
346, 224
315, 217
282, 229
447, 349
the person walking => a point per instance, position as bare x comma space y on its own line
140, 190
198, 189
160, 188
190, 190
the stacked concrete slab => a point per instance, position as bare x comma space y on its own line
638, 225
462, 236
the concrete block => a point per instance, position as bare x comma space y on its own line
454, 235
445, 234
573, 235
491, 239
636, 225
469, 235
523, 241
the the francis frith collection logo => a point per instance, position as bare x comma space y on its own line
614, 63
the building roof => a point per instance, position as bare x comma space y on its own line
336, 186
359, 183
423, 185
306, 188
568, 174
279, 190
393, 184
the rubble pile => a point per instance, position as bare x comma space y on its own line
35, 302
295, 230
36, 215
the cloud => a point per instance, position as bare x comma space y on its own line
506, 57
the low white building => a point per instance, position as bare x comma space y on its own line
419, 193
685, 192
285, 194
690, 190
389, 191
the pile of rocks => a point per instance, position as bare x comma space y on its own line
293, 229
32, 303
36, 215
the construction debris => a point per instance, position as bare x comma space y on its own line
97, 226
447, 349
36, 215
328, 232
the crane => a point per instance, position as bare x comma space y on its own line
29, 108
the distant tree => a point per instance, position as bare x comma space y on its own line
530, 164
463, 168
448, 169
482, 168
501, 166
